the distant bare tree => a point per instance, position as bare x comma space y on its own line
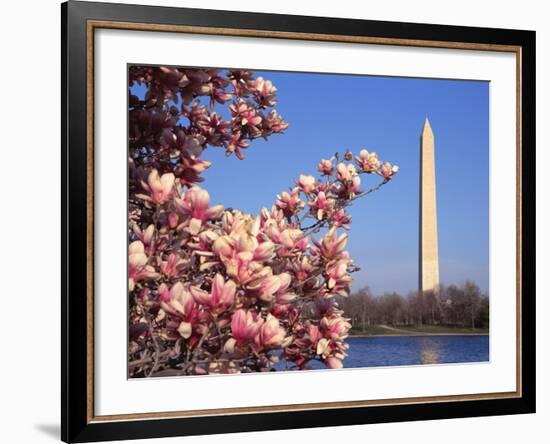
392, 307
416, 302
367, 307
460, 306
472, 295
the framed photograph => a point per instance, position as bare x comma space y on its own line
275, 221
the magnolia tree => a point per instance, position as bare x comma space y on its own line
214, 290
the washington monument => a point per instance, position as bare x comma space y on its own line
428, 254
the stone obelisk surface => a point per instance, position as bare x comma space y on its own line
429, 258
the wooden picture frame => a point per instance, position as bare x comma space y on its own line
79, 22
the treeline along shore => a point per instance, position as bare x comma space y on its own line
453, 310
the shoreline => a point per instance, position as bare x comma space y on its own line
372, 335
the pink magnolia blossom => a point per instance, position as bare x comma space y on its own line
270, 334
387, 170
290, 203
306, 183
236, 144
325, 167
194, 203
265, 92
179, 303
221, 295
190, 170
178, 143
289, 239
284, 295
169, 268
145, 236
335, 328
243, 256
323, 347
138, 269
339, 279
274, 123
213, 128
341, 219
185, 329
345, 172
367, 162
238, 259
333, 362
217, 91
303, 269
264, 252
273, 219
352, 186
331, 246
322, 205
265, 287
245, 325
314, 334
160, 188
243, 81
246, 116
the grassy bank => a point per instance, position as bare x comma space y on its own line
386, 330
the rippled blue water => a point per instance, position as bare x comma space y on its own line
380, 351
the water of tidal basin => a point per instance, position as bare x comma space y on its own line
379, 351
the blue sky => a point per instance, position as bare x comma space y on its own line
328, 113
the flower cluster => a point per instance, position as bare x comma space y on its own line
175, 121
215, 290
